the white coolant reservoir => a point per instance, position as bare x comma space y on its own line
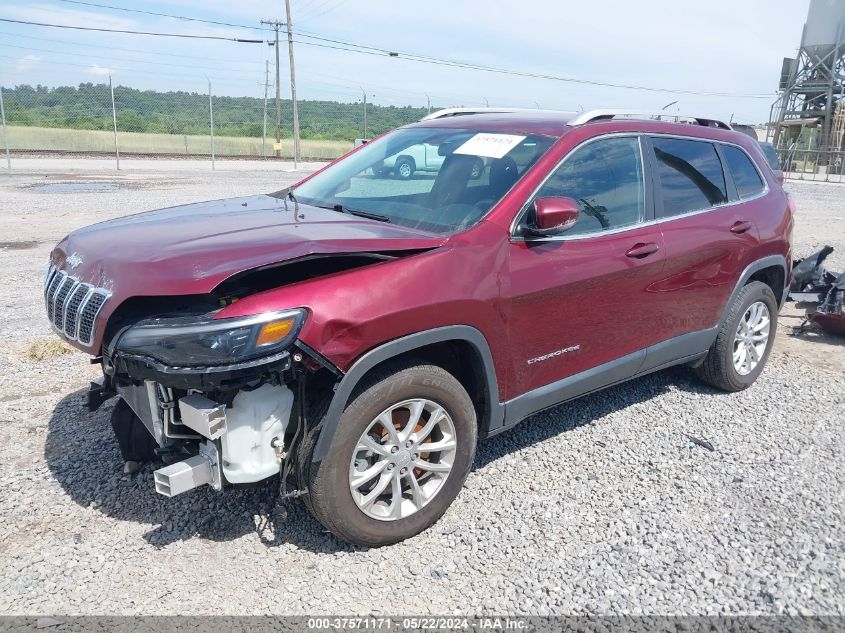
256, 417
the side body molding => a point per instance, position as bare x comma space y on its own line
402, 345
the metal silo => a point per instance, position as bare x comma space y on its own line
822, 30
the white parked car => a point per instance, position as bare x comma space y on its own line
422, 157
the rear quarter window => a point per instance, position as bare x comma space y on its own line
746, 177
771, 155
690, 175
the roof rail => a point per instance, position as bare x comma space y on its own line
606, 115
450, 112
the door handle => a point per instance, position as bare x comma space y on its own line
740, 226
639, 251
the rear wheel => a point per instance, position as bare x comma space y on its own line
401, 453
744, 341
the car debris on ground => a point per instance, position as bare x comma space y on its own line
820, 292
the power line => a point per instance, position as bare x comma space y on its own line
373, 50
123, 59
161, 15
322, 9
136, 70
305, 6
104, 30
113, 48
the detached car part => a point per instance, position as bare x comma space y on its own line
820, 292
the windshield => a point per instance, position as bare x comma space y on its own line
437, 180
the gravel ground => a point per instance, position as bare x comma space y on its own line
598, 506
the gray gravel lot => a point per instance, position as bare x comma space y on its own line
598, 506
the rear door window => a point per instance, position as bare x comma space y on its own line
690, 175
746, 177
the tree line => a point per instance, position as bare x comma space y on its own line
88, 107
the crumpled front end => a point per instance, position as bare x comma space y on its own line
216, 395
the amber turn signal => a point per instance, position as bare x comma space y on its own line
274, 331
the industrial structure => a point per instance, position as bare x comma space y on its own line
809, 113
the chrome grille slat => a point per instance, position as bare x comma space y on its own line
61, 297
66, 302
48, 278
72, 306
88, 314
78, 295
62, 278
51, 291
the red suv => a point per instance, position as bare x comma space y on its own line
356, 334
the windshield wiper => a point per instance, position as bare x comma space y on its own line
361, 214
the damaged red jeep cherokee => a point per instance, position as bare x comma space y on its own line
356, 334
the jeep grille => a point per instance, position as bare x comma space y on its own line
72, 306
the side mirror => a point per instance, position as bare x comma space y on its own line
553, 215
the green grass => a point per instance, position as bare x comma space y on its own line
44, 138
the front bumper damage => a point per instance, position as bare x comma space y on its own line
214, 426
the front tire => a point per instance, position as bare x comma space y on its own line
744, 342
401, 453
404, 168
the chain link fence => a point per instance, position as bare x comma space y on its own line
813, 164
198, 123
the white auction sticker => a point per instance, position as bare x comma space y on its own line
490, 145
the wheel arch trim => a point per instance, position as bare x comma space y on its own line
396, 347
756, 266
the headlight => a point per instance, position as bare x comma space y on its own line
178, 343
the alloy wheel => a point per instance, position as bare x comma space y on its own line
752, 336
402, 460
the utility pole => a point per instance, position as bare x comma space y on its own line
428, 99
211, 120
264, 124
289, 25
114, 122
276, 24
364, 92
5, 131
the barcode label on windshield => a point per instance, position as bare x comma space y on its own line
490, 145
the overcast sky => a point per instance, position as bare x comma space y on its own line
726, 46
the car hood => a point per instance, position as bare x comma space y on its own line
191, 249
